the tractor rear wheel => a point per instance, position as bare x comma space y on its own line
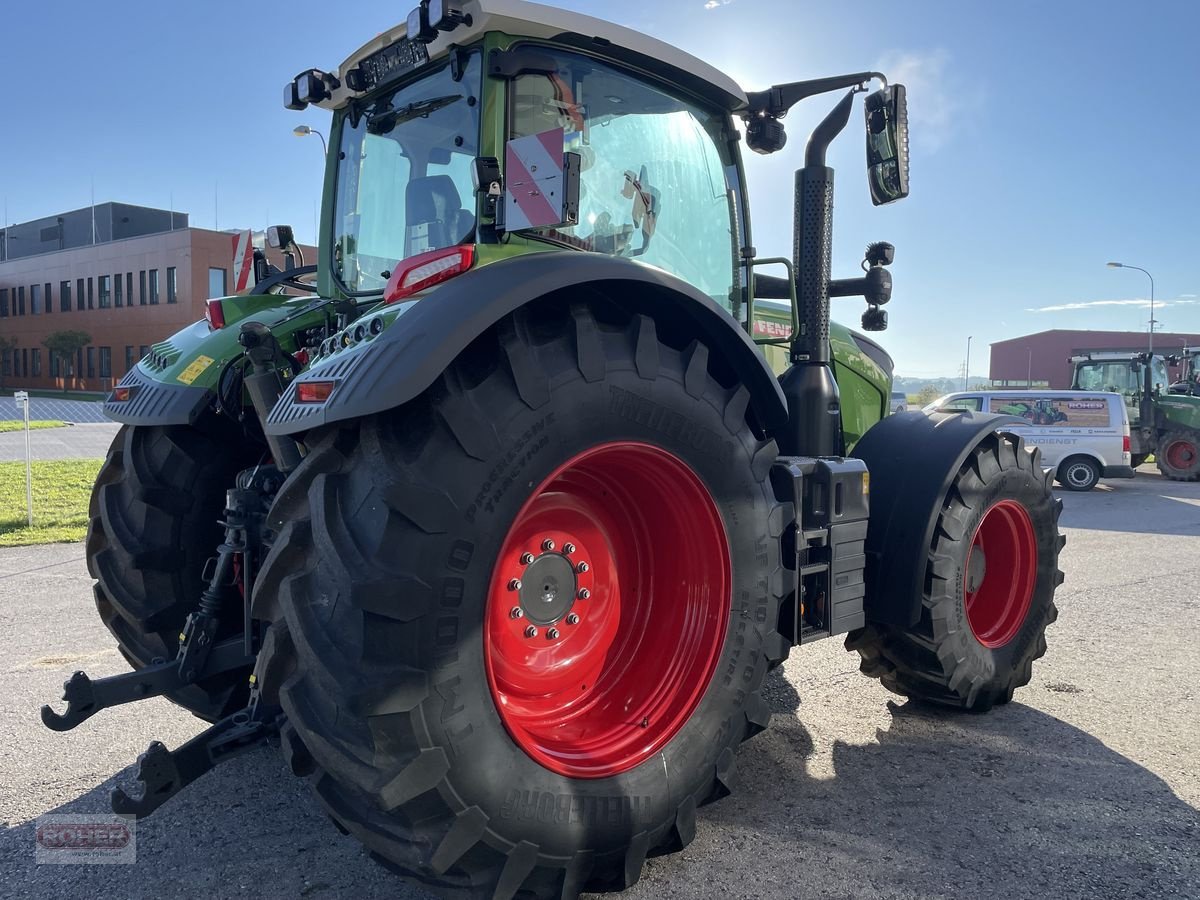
1178, 455
520, 624
989, 587
152, 526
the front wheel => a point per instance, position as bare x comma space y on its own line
520, 624
1178, 457
1079, 473
989, 582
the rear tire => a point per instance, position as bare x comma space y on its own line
989, 587
1178, 455
1078, 473
152, 526
396, 656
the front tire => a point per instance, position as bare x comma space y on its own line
466, 753
989, 587
1178, 456
153, 523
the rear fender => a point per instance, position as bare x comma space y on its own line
409, 355
912, 458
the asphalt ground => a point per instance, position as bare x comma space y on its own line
1087, 785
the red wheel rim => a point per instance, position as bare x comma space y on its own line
1000, 574
1181, 455
607, 610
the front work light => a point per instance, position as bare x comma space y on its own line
419, 29
446, 15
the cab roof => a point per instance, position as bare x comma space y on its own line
522, 19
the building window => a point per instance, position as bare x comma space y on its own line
129, 287
106, 362
78, 362
142, 288
3, 303
37, 362
35, 299
216, 282
91, 358
128, 357
117, 299
21, 301
49, 297
64, 296
91, 296
105, 291
172, 288
79, 294
6, 362
154, 287
24, 362
142, 351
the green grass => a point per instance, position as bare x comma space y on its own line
61, 489
19, 425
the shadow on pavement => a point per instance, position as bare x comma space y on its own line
1011, 804
1015, 803
1146, 504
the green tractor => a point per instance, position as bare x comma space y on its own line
499, 533
1161, 422
1189, 375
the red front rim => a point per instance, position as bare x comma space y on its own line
607, 610
1181, 454
1000, 574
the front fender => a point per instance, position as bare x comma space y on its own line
408, 356
912, 458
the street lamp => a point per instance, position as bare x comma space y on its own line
967, 368
304, 131
1117, 265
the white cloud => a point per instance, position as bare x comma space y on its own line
1094, 304
933, 111
714, 4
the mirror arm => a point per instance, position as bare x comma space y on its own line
778, 99
831, 126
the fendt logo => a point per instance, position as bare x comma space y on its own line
87, 839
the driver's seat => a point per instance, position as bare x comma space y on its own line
434, 214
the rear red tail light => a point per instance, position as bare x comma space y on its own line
314, 391
415, 274
214, 314
1125, 444
121, 394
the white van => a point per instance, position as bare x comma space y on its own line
1083, 435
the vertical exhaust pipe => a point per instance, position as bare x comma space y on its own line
814, 405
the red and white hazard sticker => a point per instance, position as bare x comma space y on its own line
533, 174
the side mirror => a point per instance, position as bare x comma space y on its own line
887, 144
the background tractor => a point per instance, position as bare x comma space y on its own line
1161, 422
502, 530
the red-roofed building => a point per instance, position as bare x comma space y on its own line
1042, 359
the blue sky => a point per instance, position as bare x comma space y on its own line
1047, 138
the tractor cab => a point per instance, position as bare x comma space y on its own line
1137, 377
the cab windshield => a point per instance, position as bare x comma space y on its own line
404, 175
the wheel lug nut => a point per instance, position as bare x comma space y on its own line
526, 558
572, 619
552, 634
515, 584
568, 548
547, 545
516, 612
584, 593
582, 567
530, 632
